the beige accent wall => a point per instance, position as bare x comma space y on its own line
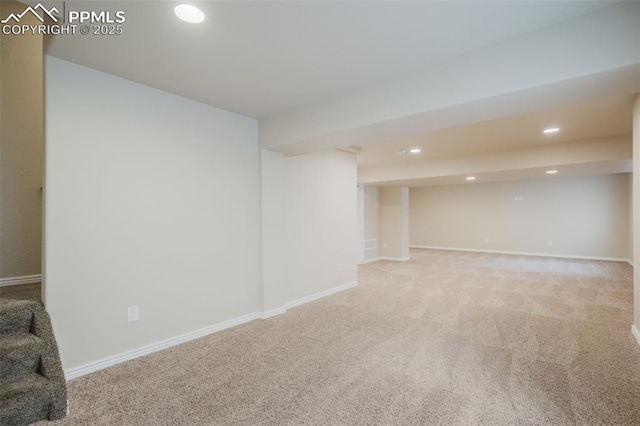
393, 224
21, 149
152, 200
581, 216
321, 222
636, 213
370, 216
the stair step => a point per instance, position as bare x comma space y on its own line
20, 355
16, 316
26, 401
32, 385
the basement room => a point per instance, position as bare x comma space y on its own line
319, 213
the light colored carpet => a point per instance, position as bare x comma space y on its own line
32, 384
449, 338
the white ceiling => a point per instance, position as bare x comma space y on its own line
595, 168
593, 120
262, 58
276, 61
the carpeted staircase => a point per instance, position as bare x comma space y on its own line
32, 384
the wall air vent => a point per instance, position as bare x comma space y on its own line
370, 244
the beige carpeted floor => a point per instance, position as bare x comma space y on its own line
448, 338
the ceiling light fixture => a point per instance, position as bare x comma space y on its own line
189, 13
551, 130
401, 151
470, 178
551, 172
415, 150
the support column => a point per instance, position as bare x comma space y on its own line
274, 231
393, 231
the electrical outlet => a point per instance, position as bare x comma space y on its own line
132, 313
339, 266
384, 245
486, 241
550, 243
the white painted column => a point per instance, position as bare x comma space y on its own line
371, 206
273, 232
394, 223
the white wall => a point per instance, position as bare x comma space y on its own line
321, 222
151, 199
393, 222
583, 216
274, 230
370, 216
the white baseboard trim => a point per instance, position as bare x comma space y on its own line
635, 333
373, 259
522, 253
92, 367
273, 312
395, 259
321, 294
26, 279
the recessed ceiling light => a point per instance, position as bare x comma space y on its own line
551, 172
551, 130
189, 13
415, 150
470, 178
